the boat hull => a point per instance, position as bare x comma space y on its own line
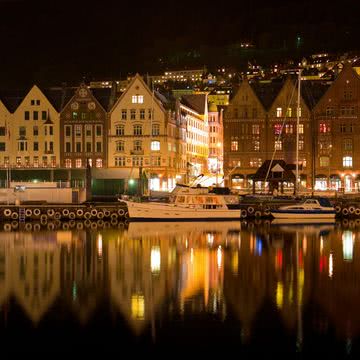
303, 214
158, 211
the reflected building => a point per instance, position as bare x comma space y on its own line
141, 275
30, 271
84, 272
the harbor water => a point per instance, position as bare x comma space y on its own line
182, 287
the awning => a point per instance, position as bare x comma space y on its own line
357, 178
237, 176
303, 176
98, 173
250, 176
321, 176
335, 177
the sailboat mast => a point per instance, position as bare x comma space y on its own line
297, 133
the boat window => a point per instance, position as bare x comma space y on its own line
199, 199
180, 199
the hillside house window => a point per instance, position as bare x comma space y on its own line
278, 112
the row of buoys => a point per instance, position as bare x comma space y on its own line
58, 225
350, 210
51, 214
256, 212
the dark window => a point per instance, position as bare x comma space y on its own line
67, 147
35, 131
67, 130
98, 147
78, 147
37, 102
51, 130
98, 130
36, 146
43, 115
2, 146
2, 130
27, 115
36, 115
88, 147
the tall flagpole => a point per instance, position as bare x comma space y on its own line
297, 134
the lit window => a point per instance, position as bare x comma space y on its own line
277, 129
255, 129
301, 128
67, 163
137, 99
301, 144
278, 145
288, 128
155, 145
324, 161
256, 145
288, 112
278, 112
234, 146
347, 161
324, 127
98, 163
78, 163
119, 161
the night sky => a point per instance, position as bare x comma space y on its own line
51, 42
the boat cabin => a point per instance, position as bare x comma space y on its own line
206, 201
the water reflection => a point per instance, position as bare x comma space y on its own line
282, 286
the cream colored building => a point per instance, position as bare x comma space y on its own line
143, 136
34, 133
194, 113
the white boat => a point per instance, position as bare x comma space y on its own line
186, 204
314, 208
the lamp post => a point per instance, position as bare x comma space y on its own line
329, 167
218, 152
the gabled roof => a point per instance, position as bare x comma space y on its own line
312, 91
103, 96
267, 92
13, 98
57, 96
137, 77
287, 174
196, 102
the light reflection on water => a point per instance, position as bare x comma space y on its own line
251, 286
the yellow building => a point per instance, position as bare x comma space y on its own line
144, 137
34, 133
